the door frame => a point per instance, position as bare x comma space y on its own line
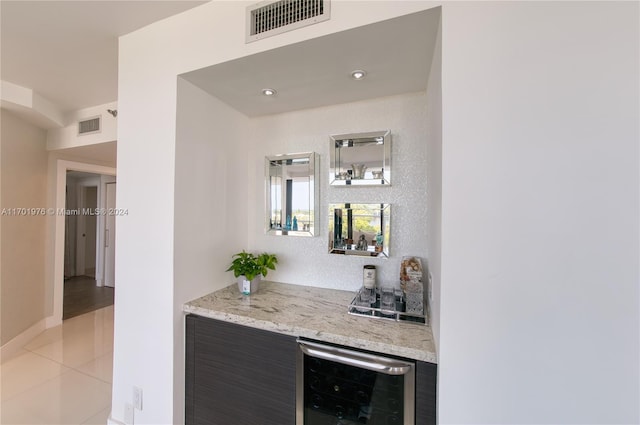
107, 238
62, 166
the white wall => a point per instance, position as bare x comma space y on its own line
23, 185
539, 313
211, 205
67, 137
30, 106
305, 261
434, 185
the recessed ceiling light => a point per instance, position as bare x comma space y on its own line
358, 74
268, 92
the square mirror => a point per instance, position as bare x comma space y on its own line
360, 159
359, 229
291, 194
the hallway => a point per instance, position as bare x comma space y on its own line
63, 376
81, 295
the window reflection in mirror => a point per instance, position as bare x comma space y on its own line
291, 194
359, 229
360, 159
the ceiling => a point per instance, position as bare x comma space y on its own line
72, 59
396, 55
67, 51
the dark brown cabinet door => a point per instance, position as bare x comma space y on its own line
237, 375
426, 381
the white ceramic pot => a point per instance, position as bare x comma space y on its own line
250, 286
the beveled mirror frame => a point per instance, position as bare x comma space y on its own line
371, 150
345, 233
287, 223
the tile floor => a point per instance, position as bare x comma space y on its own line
63, 376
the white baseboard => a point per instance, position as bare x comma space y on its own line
52, 321
12, 347
111, 421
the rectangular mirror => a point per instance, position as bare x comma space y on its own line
359, 229
360, 159
291, 194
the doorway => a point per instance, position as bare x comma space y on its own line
84, 250
58, 231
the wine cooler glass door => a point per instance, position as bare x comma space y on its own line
337, 386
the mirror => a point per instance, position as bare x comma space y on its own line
360, 159
359, 229
291, 194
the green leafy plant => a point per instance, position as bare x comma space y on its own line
250, 265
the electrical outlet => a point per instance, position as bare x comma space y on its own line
129, 414
137, 398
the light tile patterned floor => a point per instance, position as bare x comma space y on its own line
63, 376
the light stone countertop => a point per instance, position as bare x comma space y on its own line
315, 313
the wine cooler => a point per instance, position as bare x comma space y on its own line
339, 386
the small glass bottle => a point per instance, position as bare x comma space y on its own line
369, 276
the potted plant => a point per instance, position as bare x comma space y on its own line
249, 268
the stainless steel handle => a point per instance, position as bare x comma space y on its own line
372, 362
106, 238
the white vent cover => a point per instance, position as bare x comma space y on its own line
274, 17
91, 125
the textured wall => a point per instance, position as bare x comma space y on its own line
305, 261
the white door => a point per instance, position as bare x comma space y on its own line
110, 238
86, 233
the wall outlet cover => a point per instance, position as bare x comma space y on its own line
137, 398
129, 414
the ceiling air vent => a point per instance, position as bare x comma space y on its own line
92, 125
274, 17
